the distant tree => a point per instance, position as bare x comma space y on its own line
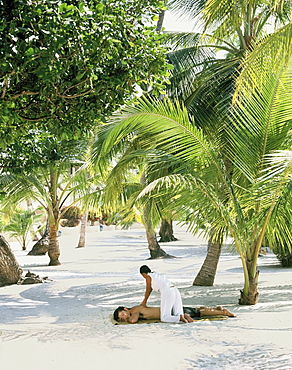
284, 255
82, 236
124, 183
166, 231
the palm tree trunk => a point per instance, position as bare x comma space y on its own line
23, 244
10, 271
81, 243
160, 21
166, 231
154, 247
54, 249
54, 219
250, 296
207, 273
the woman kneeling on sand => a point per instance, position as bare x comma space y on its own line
171, 308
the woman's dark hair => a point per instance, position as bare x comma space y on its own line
117, 311
144, 269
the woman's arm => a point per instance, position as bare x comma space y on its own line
148, 290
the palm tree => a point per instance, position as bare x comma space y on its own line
126, 180
54, 187
20, 225
245, 204
52, 173
204, 81
150, 225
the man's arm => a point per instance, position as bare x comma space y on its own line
134, 317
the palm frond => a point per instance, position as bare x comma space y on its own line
262, 111
187, 8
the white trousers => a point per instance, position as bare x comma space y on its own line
171, 305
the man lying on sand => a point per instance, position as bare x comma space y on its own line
132, 315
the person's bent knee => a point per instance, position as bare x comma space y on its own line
170, 319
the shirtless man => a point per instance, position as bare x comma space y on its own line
132, 315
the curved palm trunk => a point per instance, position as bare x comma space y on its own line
81, 243
166, 231
10, 271
250, 296
154, 247
207, 273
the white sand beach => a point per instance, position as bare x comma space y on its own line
64, 323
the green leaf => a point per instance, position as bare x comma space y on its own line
29, 51
99, 8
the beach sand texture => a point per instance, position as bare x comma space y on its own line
64, 323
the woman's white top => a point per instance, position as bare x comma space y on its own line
159, 282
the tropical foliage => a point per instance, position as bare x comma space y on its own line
65, 65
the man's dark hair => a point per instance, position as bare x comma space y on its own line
144, 269
117, 311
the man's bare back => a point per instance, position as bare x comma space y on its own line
146, 313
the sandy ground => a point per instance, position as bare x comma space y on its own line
64, 323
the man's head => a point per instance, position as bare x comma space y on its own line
121, 314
